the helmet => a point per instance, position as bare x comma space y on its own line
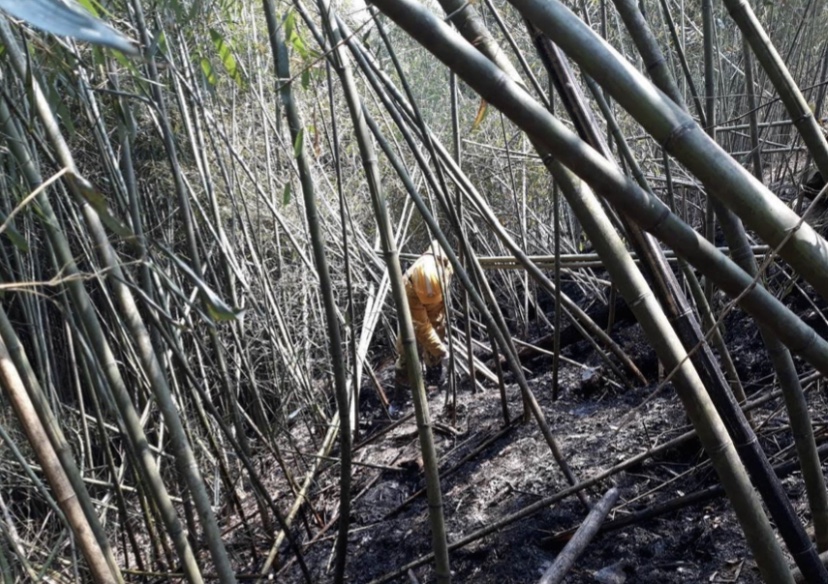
435, 250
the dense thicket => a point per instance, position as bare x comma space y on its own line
201, 249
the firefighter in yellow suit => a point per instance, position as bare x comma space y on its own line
424, 282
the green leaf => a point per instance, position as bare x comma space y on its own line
290, 23
65, 117
292, 36
126, 63
209, 74
57, 17
299, 143
98, 202
13, 234
90, 7
298, 45
216, 307
98, 58
161, 41
306, 78
286, 195
225, 53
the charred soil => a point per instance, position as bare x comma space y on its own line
491, 470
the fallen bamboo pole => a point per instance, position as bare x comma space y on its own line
579, 542
573, 260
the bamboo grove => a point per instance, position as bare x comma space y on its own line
203, 236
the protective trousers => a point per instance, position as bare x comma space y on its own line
429, 322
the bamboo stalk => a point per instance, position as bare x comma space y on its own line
92, 327
576, 546
682, 137
757, 528
784, 515
770, 60
296, 127
85, 535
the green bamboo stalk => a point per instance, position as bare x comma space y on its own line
343, 397
372, 174
183, 363
183, 452
783, 513
344, 215
760, 209
457, 151
191, 103
708, 38
656, 66
795, 103
45, 414
666, 285
634, 21
689, 333
85, 535
226, 281
678, 46
524, 65
783, 363
92, 327
416, 22
753, 122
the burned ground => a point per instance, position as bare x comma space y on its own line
598, 423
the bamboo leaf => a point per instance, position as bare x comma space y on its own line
481, 114
217, 308
65, 116
90, 7
14, 236
228, 59
98, 202
298, 45
126, 64
299, 143
294, 38
161, 40
290, 24
68, 18
209, 73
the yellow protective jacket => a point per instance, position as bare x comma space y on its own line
423, 279
424, 290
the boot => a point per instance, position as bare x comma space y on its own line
435, 375
399, 395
